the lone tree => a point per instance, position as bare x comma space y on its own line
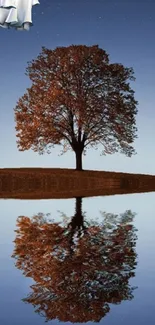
79, 100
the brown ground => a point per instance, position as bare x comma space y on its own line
41, 183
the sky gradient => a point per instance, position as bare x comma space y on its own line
125, 29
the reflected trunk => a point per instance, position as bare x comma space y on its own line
76, 225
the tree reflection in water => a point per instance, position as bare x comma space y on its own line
78, 267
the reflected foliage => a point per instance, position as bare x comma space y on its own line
78, 267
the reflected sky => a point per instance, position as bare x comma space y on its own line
14, 286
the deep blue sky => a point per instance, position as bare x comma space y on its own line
125, 29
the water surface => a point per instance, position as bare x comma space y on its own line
14, 286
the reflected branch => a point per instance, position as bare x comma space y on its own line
78, 267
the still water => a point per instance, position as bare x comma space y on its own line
98, 265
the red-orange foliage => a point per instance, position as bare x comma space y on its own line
77, 287
77, 99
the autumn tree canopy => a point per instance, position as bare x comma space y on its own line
77, 286
78, 99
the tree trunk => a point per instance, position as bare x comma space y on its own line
78, 154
